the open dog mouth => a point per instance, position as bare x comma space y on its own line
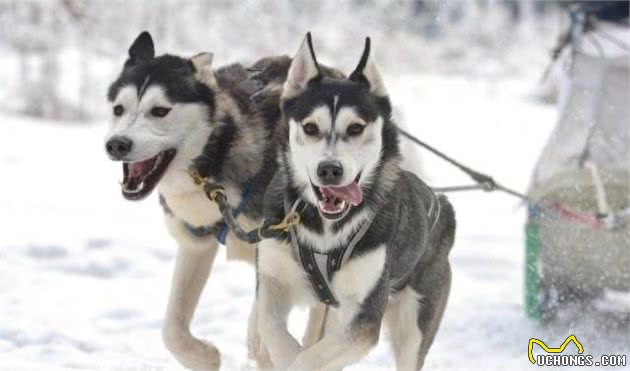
140, 177
335, 201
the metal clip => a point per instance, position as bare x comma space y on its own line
196, 177
215, 192
489, 185
291, 219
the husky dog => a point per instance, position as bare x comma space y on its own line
169, 113
373, 241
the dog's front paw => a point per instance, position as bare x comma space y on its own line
191, 352
212, 357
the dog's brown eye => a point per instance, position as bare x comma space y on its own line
118, 110
310, 129
355, 129
160, 111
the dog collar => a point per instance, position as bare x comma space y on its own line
219, 229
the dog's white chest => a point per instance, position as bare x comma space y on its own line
336, 275
356, 278
194, 208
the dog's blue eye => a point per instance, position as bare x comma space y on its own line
160, 111
310, 129
355, 129
118, 110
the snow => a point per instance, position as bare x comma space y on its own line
84, 274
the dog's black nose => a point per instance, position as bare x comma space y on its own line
118, 147
330, 172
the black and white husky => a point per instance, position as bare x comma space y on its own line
169, 113
373, 241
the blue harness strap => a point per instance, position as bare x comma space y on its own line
220, 229
222, 233
204, 230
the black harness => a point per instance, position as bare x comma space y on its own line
321, 267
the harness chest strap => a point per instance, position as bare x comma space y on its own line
320, 267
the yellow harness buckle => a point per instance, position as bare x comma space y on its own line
196, 177
291, 219
216, 193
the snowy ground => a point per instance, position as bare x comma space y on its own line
85, 274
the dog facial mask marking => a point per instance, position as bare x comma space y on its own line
334, 127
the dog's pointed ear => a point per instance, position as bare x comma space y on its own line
202, 60
303, 69
367, 72
142, 48
202, 63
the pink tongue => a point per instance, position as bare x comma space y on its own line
139, 169
350, 193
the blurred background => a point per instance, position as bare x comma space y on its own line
59, 56
84, 274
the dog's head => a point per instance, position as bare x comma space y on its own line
336, 130
155, 101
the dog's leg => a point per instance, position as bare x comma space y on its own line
281, 281
314, 331
273, 314
192, 269
358, 329
433, 283
256, 349
405, 337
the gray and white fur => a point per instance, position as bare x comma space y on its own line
340, 168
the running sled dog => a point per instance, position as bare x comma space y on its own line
169, 113
373, 241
